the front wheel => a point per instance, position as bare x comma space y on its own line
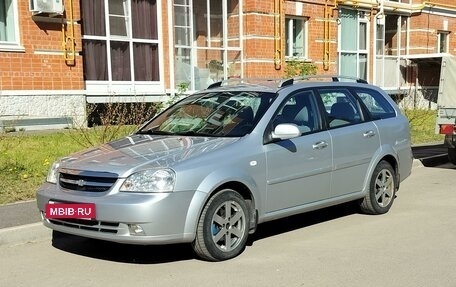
382, 190
223, 227
452, 155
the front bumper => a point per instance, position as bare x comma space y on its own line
162, 218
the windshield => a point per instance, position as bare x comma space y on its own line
212, 114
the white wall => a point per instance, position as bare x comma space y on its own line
17, 107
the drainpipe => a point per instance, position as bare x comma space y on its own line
381, 12
327, 38
68, 41
278, 34
394, 6
171, 48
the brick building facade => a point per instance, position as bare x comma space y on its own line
57, 55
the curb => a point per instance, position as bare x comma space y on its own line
24, 234
417, 163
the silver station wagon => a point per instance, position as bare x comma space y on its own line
213, 166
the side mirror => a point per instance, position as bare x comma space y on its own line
286, 131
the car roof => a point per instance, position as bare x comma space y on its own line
274, 85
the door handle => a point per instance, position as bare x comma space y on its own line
320, 145
369, 134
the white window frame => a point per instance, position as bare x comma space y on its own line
387, 68
132, 87
15, 45
194, 48
446, 35
290, 41
361, 18
126, 18
365, 51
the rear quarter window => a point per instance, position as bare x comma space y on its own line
376, 104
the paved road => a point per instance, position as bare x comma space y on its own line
412, 245
18, 214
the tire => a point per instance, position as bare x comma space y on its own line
223, 227
382, 190
452, 155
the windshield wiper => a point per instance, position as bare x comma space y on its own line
187, 133
154, 132
193, 133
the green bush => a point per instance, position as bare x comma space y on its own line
297, 67
422, 126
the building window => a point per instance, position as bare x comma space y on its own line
120, 44
207, 45
443, 41
9, 27
380, 38
296, 37
353, 47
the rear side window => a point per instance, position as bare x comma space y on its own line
376, 104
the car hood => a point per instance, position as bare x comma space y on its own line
137, 152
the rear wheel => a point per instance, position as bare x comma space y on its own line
223, 227
382, 190
452, 155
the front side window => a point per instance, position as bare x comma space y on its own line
212, 114
9, 33
120, 41
301, 110
296, 37
341, 108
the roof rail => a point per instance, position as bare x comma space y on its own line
247, 81
215, 85
280, 83
334, 78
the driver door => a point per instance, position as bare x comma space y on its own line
298, 169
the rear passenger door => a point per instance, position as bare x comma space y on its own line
355, 139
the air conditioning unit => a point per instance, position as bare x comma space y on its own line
46, 6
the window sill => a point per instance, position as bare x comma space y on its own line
11, 48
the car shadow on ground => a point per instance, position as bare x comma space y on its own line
156, 254
303, 220
124, 253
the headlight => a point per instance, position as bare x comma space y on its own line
53, 172
150, 181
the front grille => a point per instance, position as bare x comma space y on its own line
85, 224
86, 181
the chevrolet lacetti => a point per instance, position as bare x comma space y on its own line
213, 166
